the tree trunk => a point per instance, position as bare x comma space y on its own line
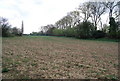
110, 14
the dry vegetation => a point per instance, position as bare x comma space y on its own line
58, 57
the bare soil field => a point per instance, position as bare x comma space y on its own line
58, 58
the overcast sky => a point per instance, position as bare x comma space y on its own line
35, 13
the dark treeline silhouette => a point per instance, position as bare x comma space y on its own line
7, 31
89, 25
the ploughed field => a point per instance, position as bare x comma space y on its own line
58, 58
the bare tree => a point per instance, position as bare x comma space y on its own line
117, 11
4, 27
4, 22
67, 21
15, 31
85, 10
59, 24
47, 27
64, 22
96, 10
111, 5
75, 15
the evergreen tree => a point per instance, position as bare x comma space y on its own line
113, 28
22, 29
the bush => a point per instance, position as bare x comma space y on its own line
15, 31
50, 31
118, 34
98, 34
84, 30
6, 29
70, 32
6, 32
5, 70
58, 32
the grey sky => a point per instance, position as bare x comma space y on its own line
35, 13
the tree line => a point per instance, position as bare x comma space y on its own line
86, 22
7, 30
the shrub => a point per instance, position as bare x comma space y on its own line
118, 34
5, 70
58, 32
98, 34
84, 30
6, 29
70, 32
50, 31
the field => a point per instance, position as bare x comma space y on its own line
58, 58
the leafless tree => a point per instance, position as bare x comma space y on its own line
111, 5
96, 10
117, 11
75, 15
85, 10
64, 22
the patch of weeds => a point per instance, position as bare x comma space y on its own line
4, 70
113, 77
103, 70
95, 56
104, 67
47, 49
93, 53
25, 77
34, 64
98, 74
17, 63
92, 71
25, 60
7, 60
54, 67
59, 74
115, 65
